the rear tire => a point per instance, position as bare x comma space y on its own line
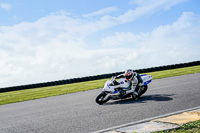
100, 98
143, 90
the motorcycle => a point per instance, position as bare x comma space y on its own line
112, 88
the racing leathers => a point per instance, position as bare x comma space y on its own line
135, 80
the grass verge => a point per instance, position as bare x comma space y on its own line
30, 94
192, 127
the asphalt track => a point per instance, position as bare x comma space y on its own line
78, 112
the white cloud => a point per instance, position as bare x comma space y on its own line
102, 12
166, 44
145, 8
121, 38
54, 47
5, 6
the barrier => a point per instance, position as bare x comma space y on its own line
96, 77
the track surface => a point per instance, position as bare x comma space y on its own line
78, 112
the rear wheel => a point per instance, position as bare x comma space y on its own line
100, 98
143, 89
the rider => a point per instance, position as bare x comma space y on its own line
135, 80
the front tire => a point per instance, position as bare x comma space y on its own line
100, 98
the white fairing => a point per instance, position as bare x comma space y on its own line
146, 79
107, 87
124, 83
111, 86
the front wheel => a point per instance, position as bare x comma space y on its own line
143, 89
100, 98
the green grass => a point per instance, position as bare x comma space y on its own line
30, 94
175, 72
192, 127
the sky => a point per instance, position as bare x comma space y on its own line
48, 40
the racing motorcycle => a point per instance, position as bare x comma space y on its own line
112, 88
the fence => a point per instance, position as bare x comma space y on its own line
96, 77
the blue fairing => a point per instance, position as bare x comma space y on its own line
147, 82
114, 92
